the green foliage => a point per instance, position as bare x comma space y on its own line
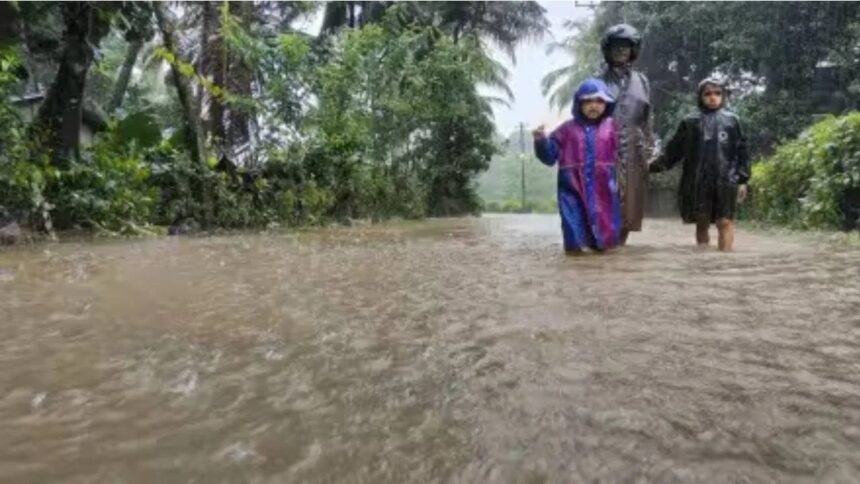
180, 183
392, 112
107, 189
771, 119
141, 128
380, 121
24, 169
813, 181
25, 173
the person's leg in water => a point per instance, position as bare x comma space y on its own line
576, 251
726, 229
703, 225
708, 214
724, 214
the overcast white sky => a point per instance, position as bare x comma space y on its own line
529, 105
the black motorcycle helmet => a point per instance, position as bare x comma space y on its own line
621, 32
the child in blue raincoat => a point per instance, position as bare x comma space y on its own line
586, 150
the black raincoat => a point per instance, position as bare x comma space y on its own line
712, 147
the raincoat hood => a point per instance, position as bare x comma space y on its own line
592, 89
712, 82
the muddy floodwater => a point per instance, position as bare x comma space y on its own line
461, 351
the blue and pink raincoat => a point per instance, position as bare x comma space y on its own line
586, 152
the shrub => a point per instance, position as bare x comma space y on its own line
814, 180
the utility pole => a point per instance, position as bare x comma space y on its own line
523, 166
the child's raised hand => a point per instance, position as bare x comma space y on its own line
539, 133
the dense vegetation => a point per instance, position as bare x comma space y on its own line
813, 181
221, 114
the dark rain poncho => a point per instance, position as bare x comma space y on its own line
635, 138
712, 147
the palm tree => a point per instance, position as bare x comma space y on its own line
583, 47
503, 23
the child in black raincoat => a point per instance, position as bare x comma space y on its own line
716, 165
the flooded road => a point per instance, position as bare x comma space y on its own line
463, 351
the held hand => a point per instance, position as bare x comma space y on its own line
539, 133
742, 193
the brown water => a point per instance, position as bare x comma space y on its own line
464, 350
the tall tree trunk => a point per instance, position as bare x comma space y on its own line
334, 15
10, 26
214, 66
351, 8
59, 116
122, 81
167, 27
196, 142
241, 81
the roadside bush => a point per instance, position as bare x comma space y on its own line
814, 180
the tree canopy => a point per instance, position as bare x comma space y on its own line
126, 115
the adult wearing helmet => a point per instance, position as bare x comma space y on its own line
620, 45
